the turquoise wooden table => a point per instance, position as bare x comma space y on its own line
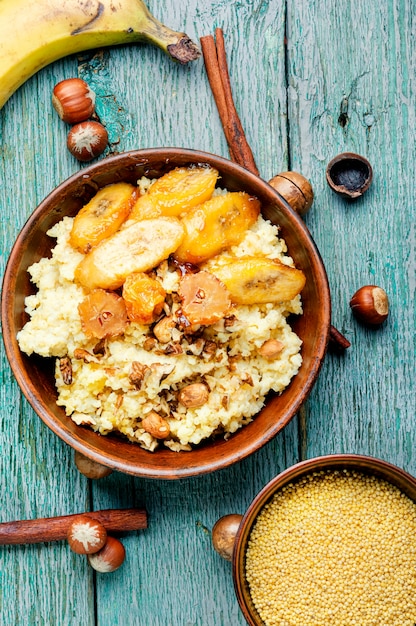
310, 80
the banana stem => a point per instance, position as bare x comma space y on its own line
177, 45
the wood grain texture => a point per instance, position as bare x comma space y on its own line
358, 94
345, 81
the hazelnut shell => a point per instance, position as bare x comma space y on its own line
370, 305
349, 175
224, 533
86, 535
87, 140
109, 558
73, 100
90, 469
295, 189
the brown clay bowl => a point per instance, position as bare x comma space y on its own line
364, 464
35, 375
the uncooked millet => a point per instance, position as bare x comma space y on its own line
336, 547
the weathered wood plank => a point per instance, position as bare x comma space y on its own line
38, 478
357, 61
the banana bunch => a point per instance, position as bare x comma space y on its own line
36, 33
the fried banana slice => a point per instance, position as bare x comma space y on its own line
217, 224
102, 216
258, 280
138, 247
176, 192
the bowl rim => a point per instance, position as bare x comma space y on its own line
394, 474
164, 471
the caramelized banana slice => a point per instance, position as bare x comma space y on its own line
144, 297
102, 216
205, 299
215, 225
177, 191
138, 247
103, 314
257, 280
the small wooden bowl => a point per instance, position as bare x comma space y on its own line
35, 375
364, 464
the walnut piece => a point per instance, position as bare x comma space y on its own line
247, 378
84, 355
173, 348
149, 344
138, 372
163, 329
65, 367
210, 348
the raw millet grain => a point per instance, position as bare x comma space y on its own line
336, 547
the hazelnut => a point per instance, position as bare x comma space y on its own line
370, 305
295, 189
87, 140
193, 395
86, 535
73, 100
271, 348
224, 533
109, 558
155, 425
90, 469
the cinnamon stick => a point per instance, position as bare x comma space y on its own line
216, 67
56, 528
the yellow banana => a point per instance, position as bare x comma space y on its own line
37, 32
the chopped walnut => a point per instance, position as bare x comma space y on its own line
163, 329
162, 370
84, 355
225, 401
210, 348
119, 402
149, 344
65, 367
229, 321
138, 372
82, 419
196, 346
173, 348
101, 347
246, 378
